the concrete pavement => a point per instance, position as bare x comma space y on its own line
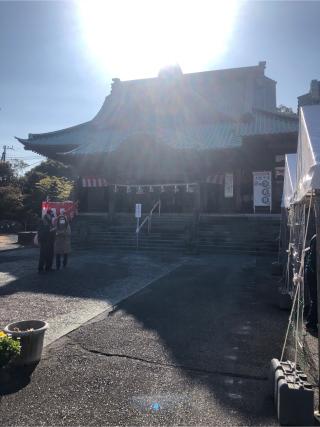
8, 242
192, 348
92, 283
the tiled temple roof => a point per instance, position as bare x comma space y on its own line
219, 135
199, 111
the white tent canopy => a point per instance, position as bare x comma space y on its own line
308, 153
290, 180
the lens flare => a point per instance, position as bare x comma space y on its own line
132, 39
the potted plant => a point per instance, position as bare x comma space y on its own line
31, 336
9, 348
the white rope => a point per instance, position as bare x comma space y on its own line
298, 279
287, 279
296, 332
289, 323
280, 238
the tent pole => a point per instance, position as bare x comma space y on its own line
317, 221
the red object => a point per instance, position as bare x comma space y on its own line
69, 208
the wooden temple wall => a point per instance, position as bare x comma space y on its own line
209, 170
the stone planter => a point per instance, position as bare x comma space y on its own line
31, 341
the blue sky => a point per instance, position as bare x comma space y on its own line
49, 80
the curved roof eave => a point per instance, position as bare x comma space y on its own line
22, 140
55, 132
37, 136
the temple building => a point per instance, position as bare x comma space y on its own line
196, 141
312, 97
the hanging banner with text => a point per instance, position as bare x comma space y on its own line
228, 185
262, 189
68, 208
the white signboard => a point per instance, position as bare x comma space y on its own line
262, 189
228, 185
138, 210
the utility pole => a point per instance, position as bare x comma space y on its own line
4, 153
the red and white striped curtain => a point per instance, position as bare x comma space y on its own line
216, 179
89, 182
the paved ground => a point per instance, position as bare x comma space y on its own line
92, 283
193, 348
8, 241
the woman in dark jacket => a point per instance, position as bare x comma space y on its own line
46, 236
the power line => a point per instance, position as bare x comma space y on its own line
23, 158
4, 153
31, 164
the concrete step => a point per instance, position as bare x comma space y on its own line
119, 246
244, 234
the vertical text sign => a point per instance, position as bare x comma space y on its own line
228, 185
138, 210
262, 189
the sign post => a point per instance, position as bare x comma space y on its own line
228, 185
262, 190
138, 216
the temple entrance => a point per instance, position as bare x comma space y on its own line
214, 194
94, 200
172, 200
175, 198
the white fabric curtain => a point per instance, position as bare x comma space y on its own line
290, 180
308, 153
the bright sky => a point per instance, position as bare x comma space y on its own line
57, 58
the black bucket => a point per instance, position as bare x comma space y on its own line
31, 341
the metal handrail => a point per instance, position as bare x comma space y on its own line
158, 203
148, 219
149, 216
142, 224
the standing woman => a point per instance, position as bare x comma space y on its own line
46, 236
63, 241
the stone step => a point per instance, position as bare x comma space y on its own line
120, 246
240, 246
169, 232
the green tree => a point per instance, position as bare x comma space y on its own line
18, 167
53, 168
11, 202
6, 174
55, 189
50, 180
284, 109
11, 198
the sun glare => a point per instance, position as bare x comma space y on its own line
134, 39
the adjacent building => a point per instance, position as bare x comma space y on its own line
312, 97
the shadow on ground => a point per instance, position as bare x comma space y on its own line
192, 348
14, 378
215, 319
80, 279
